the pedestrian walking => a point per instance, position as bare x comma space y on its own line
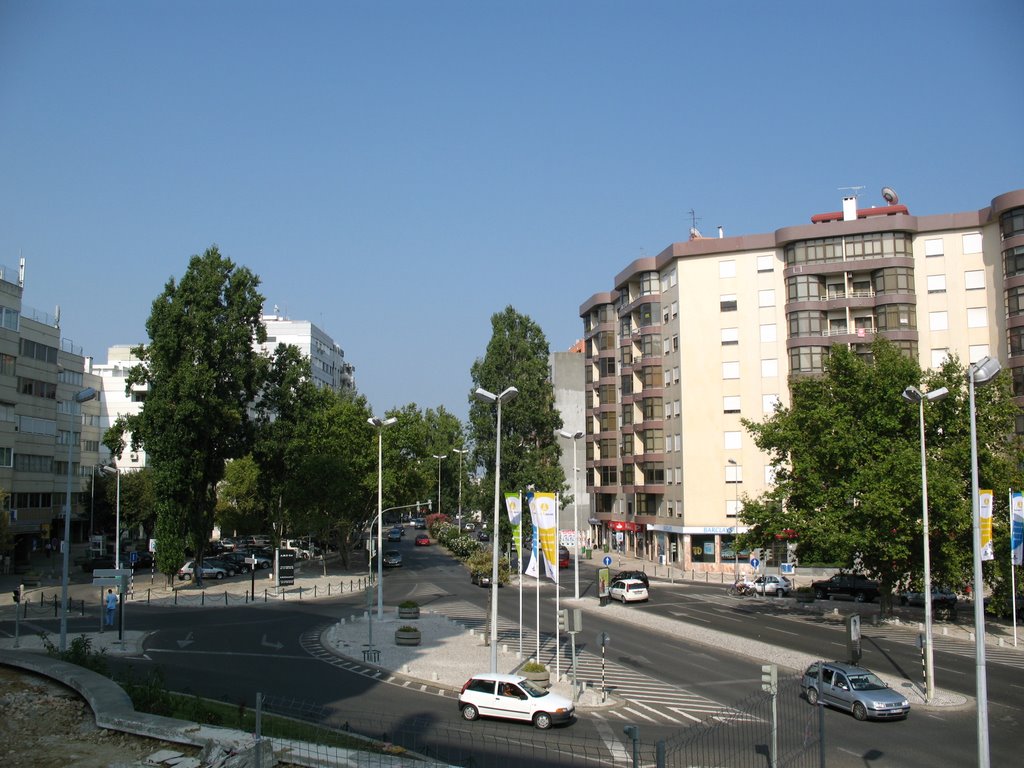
111, 607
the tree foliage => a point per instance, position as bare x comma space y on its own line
201, 373
846, 455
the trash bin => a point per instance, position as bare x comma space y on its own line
586, 552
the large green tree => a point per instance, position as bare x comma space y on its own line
846, 455
201, 374
517, 355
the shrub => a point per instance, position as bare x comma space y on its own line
534, 666
408, 604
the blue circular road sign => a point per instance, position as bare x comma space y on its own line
607, 560
754, 562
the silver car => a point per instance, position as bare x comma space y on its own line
853, 689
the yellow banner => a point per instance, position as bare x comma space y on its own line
985, 524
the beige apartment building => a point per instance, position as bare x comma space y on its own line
707, 332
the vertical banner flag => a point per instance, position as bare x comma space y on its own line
546, 516
531, 569
985, 524
1017, 528
513, 505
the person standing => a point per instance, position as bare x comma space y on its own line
111, 607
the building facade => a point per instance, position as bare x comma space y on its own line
689, 342
326, 358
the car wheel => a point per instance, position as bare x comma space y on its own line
820, 594
220, 575
542, 720
860, 712
858, 597
469, 712
812, 695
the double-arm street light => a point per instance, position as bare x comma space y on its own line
80, 397
379, 425
574, 436
914, 395
487, 397
439, 458
980, 372
462, 452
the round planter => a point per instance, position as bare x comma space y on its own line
542, 679
408, 613
407, 637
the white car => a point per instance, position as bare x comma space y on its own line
187, 571
515, 698
776, 586
628, 591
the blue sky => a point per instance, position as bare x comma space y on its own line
397, 172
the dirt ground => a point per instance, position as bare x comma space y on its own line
45, 725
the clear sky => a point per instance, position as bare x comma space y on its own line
397, 172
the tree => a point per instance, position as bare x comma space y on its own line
517, 355
240, 507
846, 456
201, 374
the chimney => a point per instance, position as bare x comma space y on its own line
850, 208
721, 232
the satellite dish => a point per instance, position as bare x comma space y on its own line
890, 195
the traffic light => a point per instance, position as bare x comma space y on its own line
755, 553
17, 595
770, 678
563, 619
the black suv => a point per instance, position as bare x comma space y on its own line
639, 575
853, 585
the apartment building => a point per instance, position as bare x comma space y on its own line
44, 428
326, 358
709, 331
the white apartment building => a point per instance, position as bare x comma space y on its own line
709, 331
326, 358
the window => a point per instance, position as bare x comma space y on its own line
977, 317
766, 263
933, 246
974, 280
768, 403
1013, 261
7, 364
727, 302
730, 336
769, 368
936, 283
807, 359
733, 507
938, 321
6, 457
668, 279
733, 473
893, 280
1015, 301
972, 243
1011, 223
727, 268
731, 370
806, 288
977, 351
9, 318
768, 333
675, 309
769, 475
806, 323
766, 298
731, 404
733, 441
939, 356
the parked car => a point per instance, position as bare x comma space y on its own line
563, 557
230, 568
302, 551
483, 536
187, 571
482, 578
628, 591
855, 690
770, 584
422, 540
100, 561
513, 697
852, 585
394, 535
638, 575
392, 558
137, 560
239, 559
941, 598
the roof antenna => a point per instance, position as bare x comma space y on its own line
694, 232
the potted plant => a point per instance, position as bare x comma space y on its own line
408, 609
407, 635
536, 673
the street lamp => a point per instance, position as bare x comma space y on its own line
487, 397
980, 372
440, 458
80, 397
462, 452
108, 469
379, 425
736, 514
574, 436
914, 395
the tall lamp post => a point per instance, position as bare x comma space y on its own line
109, 469
440, 458
80, 397
379, 425
736, 514
487, 397
980, 372
574, 436
462, 452
914, 395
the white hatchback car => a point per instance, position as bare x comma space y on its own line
628, 591
515, 698
769, 584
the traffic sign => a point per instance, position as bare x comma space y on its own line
107, 581
111, 573
607, 560
754, 562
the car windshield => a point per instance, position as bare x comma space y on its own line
533, 690
867, 682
